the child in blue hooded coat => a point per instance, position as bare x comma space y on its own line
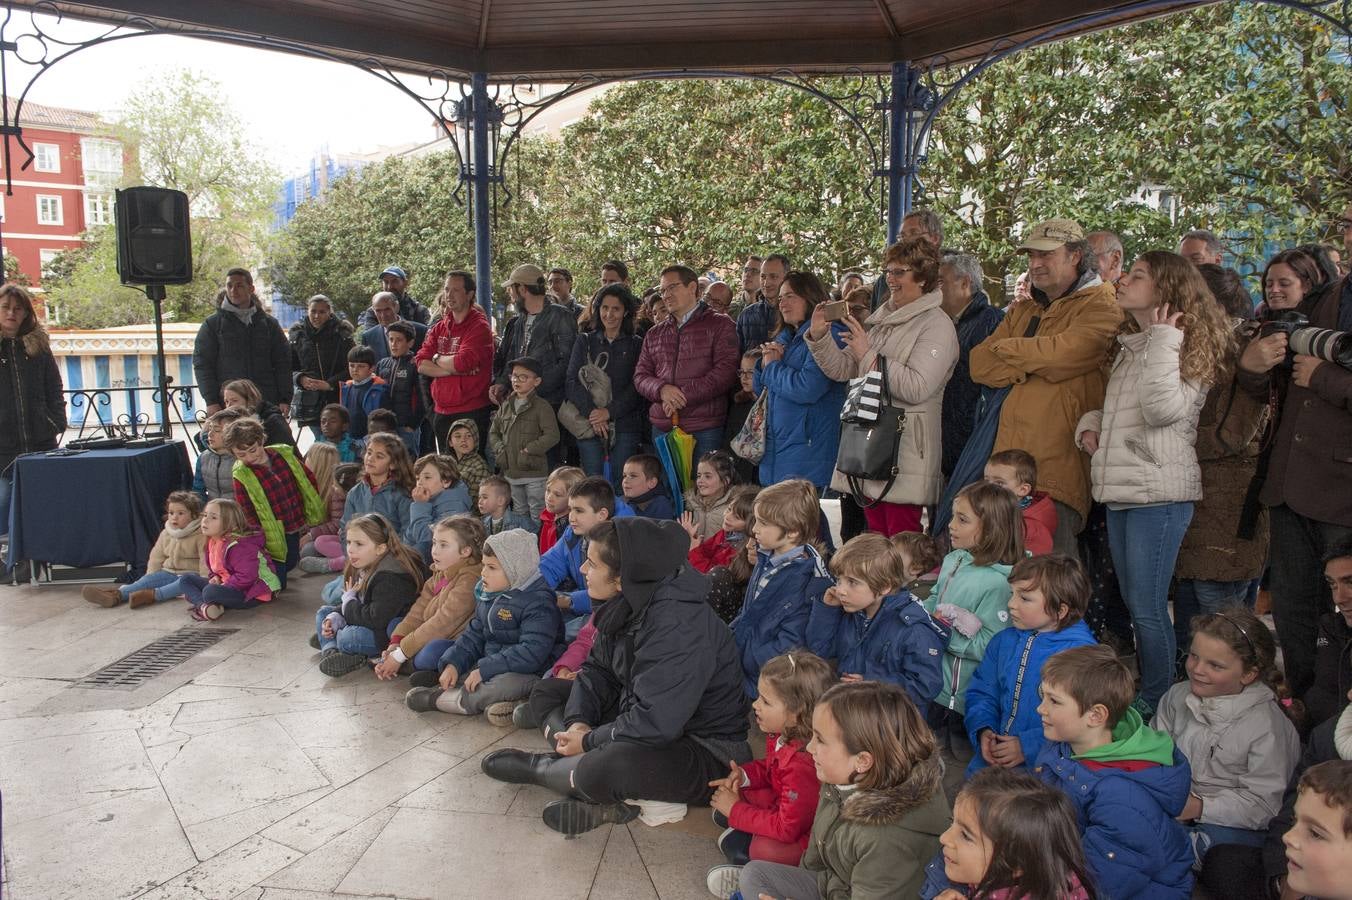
789, 577
514, 636
1046, 609
872, 627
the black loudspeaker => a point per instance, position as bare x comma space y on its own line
154, 245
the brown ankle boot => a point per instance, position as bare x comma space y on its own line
102, 596
143, 597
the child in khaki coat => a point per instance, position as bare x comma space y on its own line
178, 550
524, 430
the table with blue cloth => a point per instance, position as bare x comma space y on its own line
95, 507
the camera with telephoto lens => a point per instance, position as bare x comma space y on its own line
1302, 339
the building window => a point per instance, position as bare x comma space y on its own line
49, 210
45, 258
98, 209
102, 162
47, 157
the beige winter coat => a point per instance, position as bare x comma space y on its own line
921, 348
1148, 425
180, 551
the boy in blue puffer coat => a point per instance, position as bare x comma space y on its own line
515, 635
1050, 594
872, 627
1127, 781
790, 577
590, 502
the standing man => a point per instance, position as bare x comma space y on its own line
561, 286
240, 340
750, 283
719, 297
385, 311
457, 360
395, 280
1200, 247
960, 280
614, 271
541, 330
1050, 351
756, 320
1107, 247
688, 364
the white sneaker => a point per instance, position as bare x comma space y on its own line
723, 881
655, 812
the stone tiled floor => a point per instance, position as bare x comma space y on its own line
247, 773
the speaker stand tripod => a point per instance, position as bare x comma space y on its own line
156, 294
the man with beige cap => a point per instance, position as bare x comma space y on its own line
541, 330
1051, 351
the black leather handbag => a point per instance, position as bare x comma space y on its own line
868, 448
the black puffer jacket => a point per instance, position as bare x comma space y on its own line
663, 661
227, 349
551, 343
318, 353
32, 407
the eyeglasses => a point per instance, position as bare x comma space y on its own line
897, 272
746, 373
1342, 225
519, 377
664, 291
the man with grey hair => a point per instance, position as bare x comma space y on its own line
1108, 248
1200, 246
960, 281
385, 311
918, 223
1049, 351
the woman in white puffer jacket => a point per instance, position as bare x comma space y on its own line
1173, 343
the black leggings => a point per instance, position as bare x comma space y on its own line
677, 773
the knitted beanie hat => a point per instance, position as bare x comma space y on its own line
518, 552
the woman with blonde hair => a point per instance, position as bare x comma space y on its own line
1173, 345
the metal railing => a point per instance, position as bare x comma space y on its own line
132, 411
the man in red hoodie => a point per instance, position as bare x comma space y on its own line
457, 359
1016, 471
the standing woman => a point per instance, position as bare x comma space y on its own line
319, 345
1173, 345
32, 407
803, 408
609, 337
917, 339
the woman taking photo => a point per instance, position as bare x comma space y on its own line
609, 343
803, 408
319, 345
916, 338
1173, 345
32, 407
657, 710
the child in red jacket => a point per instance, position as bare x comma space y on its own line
1016, 470
767, 806
719, 549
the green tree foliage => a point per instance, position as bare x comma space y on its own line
180, 133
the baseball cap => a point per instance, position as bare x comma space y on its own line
526, 275
1050, 234
395, 271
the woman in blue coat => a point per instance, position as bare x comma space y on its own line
803, 430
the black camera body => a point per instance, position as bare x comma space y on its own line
1302, 339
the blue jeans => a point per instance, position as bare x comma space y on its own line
292, 557
1204, 836
1193, 597
1144, 542
430, 654
706, 441
165, 585
200, 592
593, 455
356, 639
332, 592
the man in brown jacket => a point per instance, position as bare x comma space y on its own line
1051, 353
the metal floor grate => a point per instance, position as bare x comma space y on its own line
155, 658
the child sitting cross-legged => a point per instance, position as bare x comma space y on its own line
707, 500
241, 571
514, 635
728, 541
212, 478
178, 551
872, 627
386, 482
1016, 471
437, 493
766, 807
554, 518
1319, 845
495, 506
445, 603
1046, 609
380, 581
322, 461
1128, 782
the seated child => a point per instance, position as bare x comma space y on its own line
404, 388
437, 493
463, 440
872, 627
178, 551
1228, 720
523, 432
643, 488
767, 806
212, 478
1127, 781
1046, 609
1012, 837
1016, 470
514, 635
495, 505
445, 603
707, 500
241, 571
728, 541
322, 461
1319, 847
727, 589
382, 421
334, 421
882, 805
548, 697
386, 482
364, 393
276, 491
590, 502
971, 598
380, 581
789, 577
554, 518
923, 556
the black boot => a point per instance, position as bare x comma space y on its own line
578, 816
553, 723
520, 767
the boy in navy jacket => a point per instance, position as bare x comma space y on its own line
643, 488
365, 393
403, 385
